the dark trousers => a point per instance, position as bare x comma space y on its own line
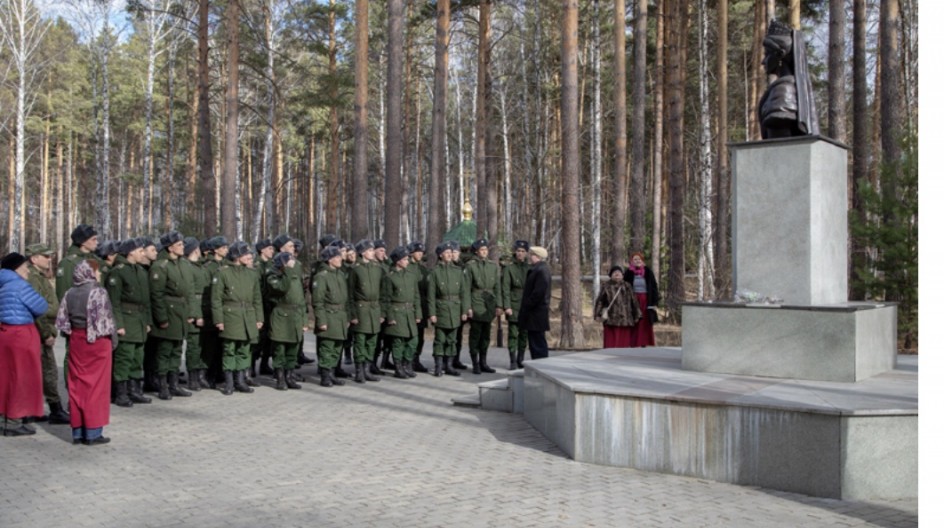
537, 342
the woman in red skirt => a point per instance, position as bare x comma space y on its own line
617, 308
85, 316
21, 376
646, 288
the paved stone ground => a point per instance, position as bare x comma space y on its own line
388, 454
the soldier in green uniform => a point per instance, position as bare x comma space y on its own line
402, 310
348, 260
237, 314
150, 249
84, 244
214, 251
262, 351
448, 307
513, 276
106, 253
383, 347
172, 310
288, 318
418, 268
330, 303
39, 262
129, 291
483, 278
364, 279
199, 279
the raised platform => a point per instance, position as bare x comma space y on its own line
638, 408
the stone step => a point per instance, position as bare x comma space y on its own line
470, 400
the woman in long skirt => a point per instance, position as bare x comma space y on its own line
85, 315
647, 293
617, 308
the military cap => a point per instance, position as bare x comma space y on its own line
12, 260
81, 233
280, 241
38, 249
330, 252
363, 246
205, 246
191, 244
399, 253
298, 244
238, 249
262, 244
171, 237
379, 243
280, 260
326, 240
452, 245
480, 243
127, 246
217, 242
413, 247
522, 244
440, 248
338, 243
106, 249
348, 246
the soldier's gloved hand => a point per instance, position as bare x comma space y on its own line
148, 329
120, 331
418, 321
190, 319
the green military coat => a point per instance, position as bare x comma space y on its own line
329, 301
364, 280
130, 294
284, 293
422, 281
237, 302
46, 323
513, 276
200, 279
447, 295
400, 299
171, 291
210, 266
483, 278
67, 265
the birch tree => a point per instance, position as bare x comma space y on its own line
596, 147
706, 244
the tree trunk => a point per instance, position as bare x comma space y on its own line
756, 69
207, 205
658, 116
103, 194
794, 14
361, 91
572, 292
334, 169
394, 162
706, 260
596, 150
437, 177
264, 209
721, 177
639, 130
890, 112
860, 145
837, 73
676, 28
171, 189
483, 94
229, 188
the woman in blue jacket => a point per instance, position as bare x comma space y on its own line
21, 376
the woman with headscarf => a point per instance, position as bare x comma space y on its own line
618, 309
646, 288
21, 376
85, 315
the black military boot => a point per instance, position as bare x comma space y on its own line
418, 365
373, 368
248, 377
121, 397
483, 363
174, 386
193, 382
398, 369
386, 364
280, 383
408, 368
449, 368
520, 359
264, 368
456, 363
438, 366
512, 362
290, 379
367, 374
476, 368
202, 379
348, 356
163, 391
241, 385
359, 373
303, 359
325, 377
137, 392
334, 378
228, 384
58, 415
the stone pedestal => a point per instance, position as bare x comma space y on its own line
790, 219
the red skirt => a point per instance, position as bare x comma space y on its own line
21, 372
89, 380
642, 334
616, 336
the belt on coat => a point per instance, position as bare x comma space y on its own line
401, 305
237, 304
172, 298
132, 306
289, 307
449, 298
334, 306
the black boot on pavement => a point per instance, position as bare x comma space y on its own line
121, 398
483, 364
290, 379
174, 387
325, 377
228, 384
241, 385
163, 391
280, 383
438, 367
58, 415
136, 393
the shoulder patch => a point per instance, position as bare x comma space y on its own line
215, 279
112, 281
156, 276
60, 272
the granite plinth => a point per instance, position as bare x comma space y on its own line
842, 342
789, 219
639, 408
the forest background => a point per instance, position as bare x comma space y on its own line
593, 128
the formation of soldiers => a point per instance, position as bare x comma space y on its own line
235, 305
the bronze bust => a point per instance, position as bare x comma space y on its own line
787, 108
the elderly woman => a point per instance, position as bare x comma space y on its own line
21, 377
618, 309
646, 288
85, 315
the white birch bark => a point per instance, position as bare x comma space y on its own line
596, 148
705, 250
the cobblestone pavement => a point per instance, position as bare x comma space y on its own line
388, 454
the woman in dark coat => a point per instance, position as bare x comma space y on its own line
85, 315
534, 315
622, 309
646, 288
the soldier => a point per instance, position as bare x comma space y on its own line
418, 268
513, 276
263, 350
107, 252
172, 311
288, 320
199, 279
383, 348
329, 300
149, 255
84, 244
402, 311
364, 280
39, 258
483, 278
448, 307
459, 258
129, 291
237, 313
216, 249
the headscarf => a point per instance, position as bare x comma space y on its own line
98, 310
641, 270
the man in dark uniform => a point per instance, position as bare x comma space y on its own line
483, 278
418, 268
513, 276
262, 350
216, 249
288, 320
129, 291
448, 307
459, 258
171, 291
237, 314
330, 303
364, 279
196, 366
400, 298
39, 259
149, 254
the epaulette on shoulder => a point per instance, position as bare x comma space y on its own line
161, 263
120, 265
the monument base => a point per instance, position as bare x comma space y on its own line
842, 342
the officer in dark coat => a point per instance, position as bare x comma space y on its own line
513, 277
417, 250
237, 314
39, 256
172, 311
534, 314
400, 298
129, 290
